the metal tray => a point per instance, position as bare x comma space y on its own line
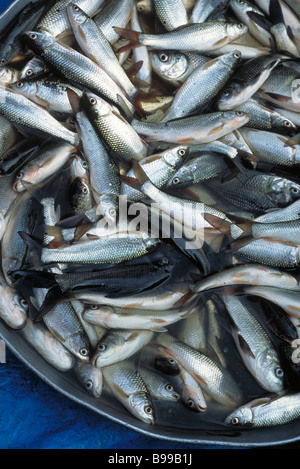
66, 383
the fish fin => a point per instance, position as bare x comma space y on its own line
35, 248
275, 12
124, 108
132, 182
34, 302
82, 230
158, 329
218, 223
221, 43
184, 299
134, 69
53, 297
140, 174
58, 241
131, 35
74, 100
260, 20
245, 155
73, 221
295, 140
277, 97
240, 243
245, 346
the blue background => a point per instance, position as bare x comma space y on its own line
34, 416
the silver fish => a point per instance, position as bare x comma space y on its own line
90, 377
50, 348
266, 412
118, 345
215, 380
254, 345
127, 386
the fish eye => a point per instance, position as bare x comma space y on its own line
182, 152
239, 113
176, 181
23, 302
101, 347
89, 384
20, 84
84, 352
19, 175
294, 191
279, 372
84, 165
164, 57
141, 8
172, 361
148, 410
287, 124
3, 61
29, 72
84, 190
93, 307
226, 92
76, 8
235, 421
93, 101
190, 403
112, 212
169, 387
241, 26
236, 55
33, 36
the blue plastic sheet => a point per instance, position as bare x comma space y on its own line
34, 416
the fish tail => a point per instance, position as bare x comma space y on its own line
240, 243
224, 226
140, 173
131, 35
132, 182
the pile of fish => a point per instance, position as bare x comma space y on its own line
123, 122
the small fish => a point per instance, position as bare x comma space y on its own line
53, 96
193, 130
22, 112
254, 345
90, 377
215, 380
128, 387
13, 307
118, 345
34, 68
118, 318
201, 37
248, 275
190, 391
202, 86
246, 82
159, 387
45, 163
47, 346
266, 412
